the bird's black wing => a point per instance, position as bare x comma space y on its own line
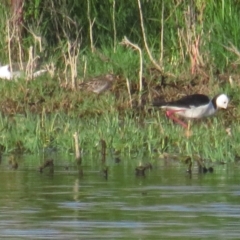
195, 100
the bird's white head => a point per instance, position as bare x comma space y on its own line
222, 101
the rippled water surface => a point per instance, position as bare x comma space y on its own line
165, 204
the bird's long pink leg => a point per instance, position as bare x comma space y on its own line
170, 114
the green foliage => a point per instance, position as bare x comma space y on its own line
45, 116
57, 22
123, 134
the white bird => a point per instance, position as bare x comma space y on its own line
5, 72
194, 106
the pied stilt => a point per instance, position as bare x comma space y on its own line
193, 106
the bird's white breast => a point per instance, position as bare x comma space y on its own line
198, 112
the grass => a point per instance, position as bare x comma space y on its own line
126, 133
40, 114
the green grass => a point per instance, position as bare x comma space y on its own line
40, 114
125, 134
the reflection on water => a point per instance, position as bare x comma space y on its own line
165, 204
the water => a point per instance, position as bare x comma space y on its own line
165, 204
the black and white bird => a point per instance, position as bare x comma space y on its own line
194, 106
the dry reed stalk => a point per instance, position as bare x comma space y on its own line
31, 59
161, 38
20, 51
77, 150
85, 66
194, 54
153, 61
91, 23
73, 61
191, 39
114, 27
14, 33
16, 28
29, 67
180, 39
37, 39
9, 39
230, 79
70, 60
127, 43
65, 71
51, 69
43, 117
129, 92
145, 39
232, 49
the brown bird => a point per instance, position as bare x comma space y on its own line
98, 84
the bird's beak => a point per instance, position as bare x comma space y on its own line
222, 107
